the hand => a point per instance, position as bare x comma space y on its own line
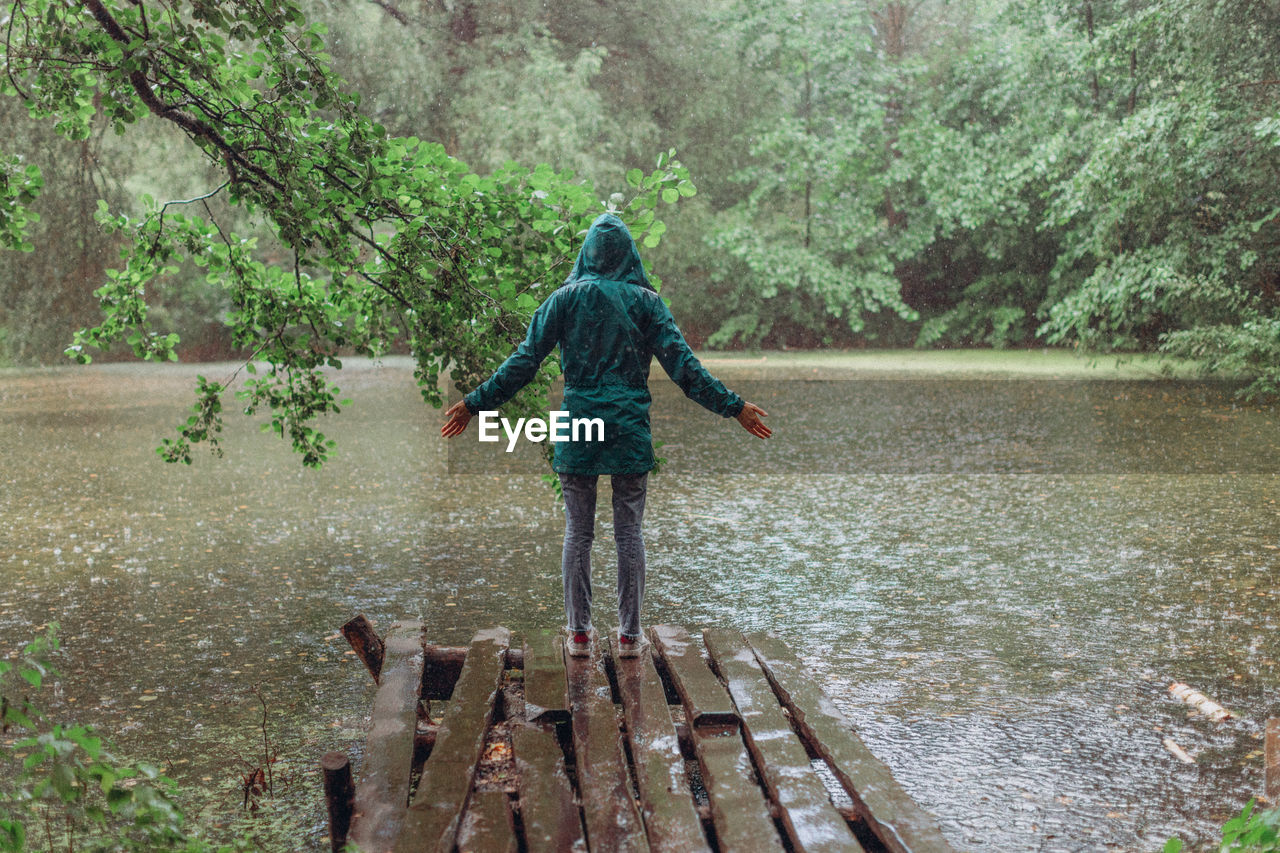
750, 417
458, 417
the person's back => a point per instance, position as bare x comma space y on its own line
610, 349
609, 323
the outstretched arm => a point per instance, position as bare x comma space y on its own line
673, 353
514, 373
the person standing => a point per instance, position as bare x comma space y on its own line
609, 323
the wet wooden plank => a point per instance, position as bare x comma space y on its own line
365, 643
382, 793
552, 823
666, 802
545, 698
738, 806
806, 811
431, 823
892, 816
608, 809
704, 698
486, 827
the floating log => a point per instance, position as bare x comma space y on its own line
339, 795
878, 800
431, 823
1178, 752
383, 790
608, 809
1199, 701
805, 808
364, 641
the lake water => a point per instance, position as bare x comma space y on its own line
997, 579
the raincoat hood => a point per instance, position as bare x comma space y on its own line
609, 253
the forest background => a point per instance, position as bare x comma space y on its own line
200, 179
1092, 173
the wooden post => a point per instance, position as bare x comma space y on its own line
339, 793
1271, 749
360, 634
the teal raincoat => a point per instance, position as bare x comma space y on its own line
609, 323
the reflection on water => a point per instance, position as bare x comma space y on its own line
997, 580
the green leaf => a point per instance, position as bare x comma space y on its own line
118, 797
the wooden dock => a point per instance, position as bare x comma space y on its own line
718, 744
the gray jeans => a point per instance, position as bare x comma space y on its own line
579, 532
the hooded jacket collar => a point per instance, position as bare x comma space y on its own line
608, 253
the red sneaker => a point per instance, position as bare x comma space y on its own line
580, 644
629, 647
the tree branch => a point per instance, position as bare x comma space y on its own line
401, 17
8, 50
192, 125
160, 229
209, 194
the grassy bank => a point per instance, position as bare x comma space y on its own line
951, 364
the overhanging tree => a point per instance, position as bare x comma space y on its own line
384, 239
